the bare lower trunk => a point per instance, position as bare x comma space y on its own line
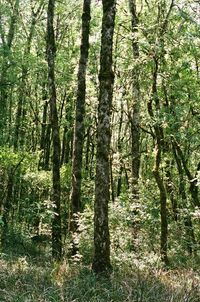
159, 147
163, 205
101, 260
79, 129
51, 51
189, 230
135, 107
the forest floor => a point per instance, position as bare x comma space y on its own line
28, 279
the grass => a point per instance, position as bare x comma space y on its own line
27, 274
25, 279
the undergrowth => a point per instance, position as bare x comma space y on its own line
28, 275
24, 280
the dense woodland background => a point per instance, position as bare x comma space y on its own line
99, 117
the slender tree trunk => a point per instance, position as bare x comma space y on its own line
67, 133
159, 147
160, 144
163, 19
7, 207
112, 184
163, 204
170, 190
189, 230
135, 111
119, 147
7, 46
101, 260
79, 129
45, 139
91, 165
87, 155
47, 150
66, 145
51, 52
22, 88
44, 124
192, 180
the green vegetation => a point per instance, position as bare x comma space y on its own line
28, 274
99, 150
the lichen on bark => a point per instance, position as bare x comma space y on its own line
101, 261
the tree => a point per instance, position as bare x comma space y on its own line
51, 52
7, 48
101, 260
79, 120
134, 115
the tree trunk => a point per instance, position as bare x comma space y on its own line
79, 128
163, 205
67, 133
7, 45
135, 111
159, 147
192, 180
7, 207
45, 139
87, 152
51, 52
43, 134
22, 89
101, 261
189, 230
170, 190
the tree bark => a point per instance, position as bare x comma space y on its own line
51, 52
67, 133
189, 230
101, 260
159, 147
135, 110
163, 204
160, 144
170, 190
79, 128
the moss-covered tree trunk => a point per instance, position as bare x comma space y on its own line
101, 261
79, 128
51, 52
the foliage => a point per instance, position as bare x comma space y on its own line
168, 38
